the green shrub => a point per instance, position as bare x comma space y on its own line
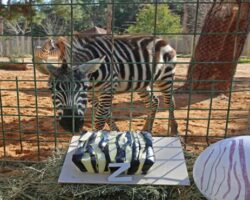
148, 22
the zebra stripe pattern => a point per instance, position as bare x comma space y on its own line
51, 48
46, 50
131, 63
80, 97
41, 54
222, 171
96, 150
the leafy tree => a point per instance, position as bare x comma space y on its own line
125, 13
166, 21
56, 18
91, 13
16, 18
51, 21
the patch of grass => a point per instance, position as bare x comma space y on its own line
184, 56
244, 60
39, 181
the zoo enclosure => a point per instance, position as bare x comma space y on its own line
25, 48
28, 123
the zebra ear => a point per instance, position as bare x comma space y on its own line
52, 43
92, 65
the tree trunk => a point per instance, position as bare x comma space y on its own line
1, 38
185, 26
215, 59
14, 67
109, 17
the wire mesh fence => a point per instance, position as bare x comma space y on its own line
178, 42
29, 120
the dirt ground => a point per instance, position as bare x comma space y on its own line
28, 130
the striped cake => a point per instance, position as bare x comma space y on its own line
96, 150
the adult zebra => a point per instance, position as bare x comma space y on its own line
113, 65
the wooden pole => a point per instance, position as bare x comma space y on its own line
109, 17
1, 33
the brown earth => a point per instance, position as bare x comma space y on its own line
29, 131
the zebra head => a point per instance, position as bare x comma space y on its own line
69, 87
49, 45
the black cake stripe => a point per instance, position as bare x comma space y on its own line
150, 160
139, 143
135, 162
77, 156
91, 151
120, 155
103, 145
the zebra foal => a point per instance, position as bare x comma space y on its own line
111, 65
42, 53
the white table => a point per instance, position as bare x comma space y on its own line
169, 169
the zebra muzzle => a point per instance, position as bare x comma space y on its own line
71, 121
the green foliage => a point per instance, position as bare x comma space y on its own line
17, 17
89, 14
148, 22
50, 19
175, 6
124, 13
244, 60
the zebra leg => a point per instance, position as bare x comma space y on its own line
173, 123
95, 103
111, 123
170, 103
103, 113
151, 102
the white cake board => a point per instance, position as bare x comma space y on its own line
169, 169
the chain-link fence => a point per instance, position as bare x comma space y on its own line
211, 86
